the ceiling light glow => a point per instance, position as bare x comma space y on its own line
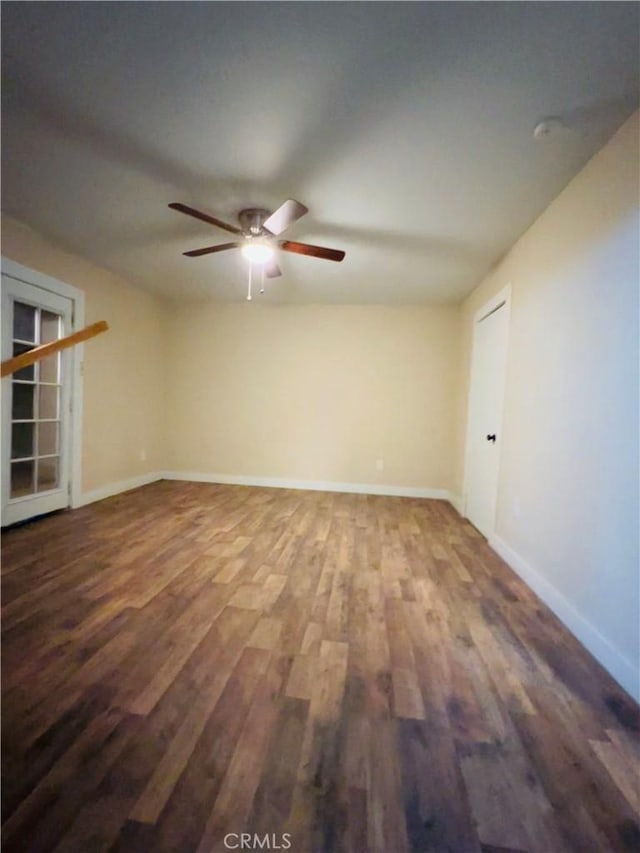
257, 252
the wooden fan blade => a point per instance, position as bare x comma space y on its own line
190, 211
314, 251
195, 253
285, 216
272, 270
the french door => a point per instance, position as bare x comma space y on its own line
36, 404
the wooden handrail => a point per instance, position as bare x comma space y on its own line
26, 358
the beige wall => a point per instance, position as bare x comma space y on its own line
300, 393
314, 392
570, 433
123, 377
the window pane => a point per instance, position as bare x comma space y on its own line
49, 368
48, 438
48, 401
22, 478
22, 441
47, 474
49, 327
24, 322
26, 372
22, 401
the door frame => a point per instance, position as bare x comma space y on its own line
501, 299
20, 273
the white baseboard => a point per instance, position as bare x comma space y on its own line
115, 488
308, 485
611, 659
456, 502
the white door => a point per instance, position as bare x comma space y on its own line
484, 437
35, 404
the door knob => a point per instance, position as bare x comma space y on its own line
492, 437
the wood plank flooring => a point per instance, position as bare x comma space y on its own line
188, 662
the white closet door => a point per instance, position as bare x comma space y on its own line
485, 418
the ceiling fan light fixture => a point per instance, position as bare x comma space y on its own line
257, 252
258, 232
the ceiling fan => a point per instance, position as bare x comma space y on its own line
256, 232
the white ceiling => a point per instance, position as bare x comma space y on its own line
406, 128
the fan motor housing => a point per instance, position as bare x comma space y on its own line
251, 220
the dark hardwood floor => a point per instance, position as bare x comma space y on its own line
187, 662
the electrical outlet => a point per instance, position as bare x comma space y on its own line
380, 464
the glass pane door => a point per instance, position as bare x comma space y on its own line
35, 404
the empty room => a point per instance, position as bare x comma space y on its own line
320, 427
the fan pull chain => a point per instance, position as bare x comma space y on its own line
262, 280
249, 297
